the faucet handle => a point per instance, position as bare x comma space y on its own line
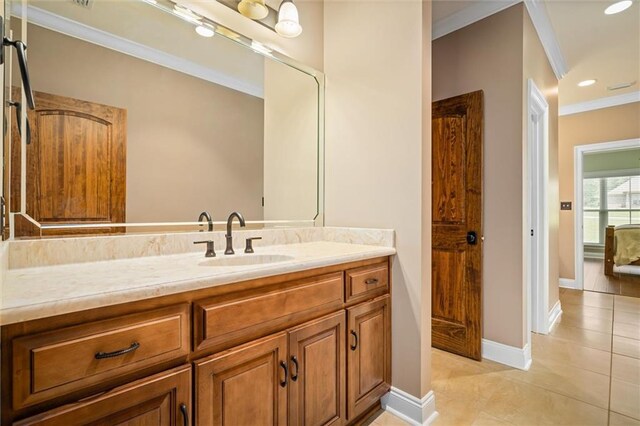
211, 252
249, 247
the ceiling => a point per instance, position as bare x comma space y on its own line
594, 45
141, 23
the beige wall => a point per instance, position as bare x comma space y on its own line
290, 143
374, 146
602, 125
487, 56
191, 145
536, 67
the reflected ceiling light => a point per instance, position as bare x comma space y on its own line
288, 21
186, 14
205, 31
259, 47
586, 83
618, 7
253, 9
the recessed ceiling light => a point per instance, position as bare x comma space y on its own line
205, 31
618, 7
586, 83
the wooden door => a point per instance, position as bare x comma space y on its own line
457, 135
368, 354
317, 391
162, 400
76, 164
244, 386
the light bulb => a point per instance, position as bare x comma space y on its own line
288, 21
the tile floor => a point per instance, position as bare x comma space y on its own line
585, 372
596, 280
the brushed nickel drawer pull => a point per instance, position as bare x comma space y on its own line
103, 355
371, 281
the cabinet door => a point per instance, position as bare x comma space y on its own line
369, 354
317, 393
246, 385
163, 399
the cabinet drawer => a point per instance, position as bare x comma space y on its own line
54, 363
223, 323
163, 399
367, 282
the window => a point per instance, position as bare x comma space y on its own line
609, 201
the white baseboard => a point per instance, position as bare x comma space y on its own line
417, 412
569, 283
554, 314
508, 355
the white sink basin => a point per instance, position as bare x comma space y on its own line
246, 260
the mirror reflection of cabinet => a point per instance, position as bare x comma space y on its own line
76, 163
212, 123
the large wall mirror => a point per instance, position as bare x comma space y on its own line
147, 113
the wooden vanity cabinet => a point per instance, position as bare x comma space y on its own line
307, 348
244, 386
369, 354
163, 400
317, 363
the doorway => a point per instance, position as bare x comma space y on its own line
607, 194
537, 251
457, 145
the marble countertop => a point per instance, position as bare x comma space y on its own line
38, 292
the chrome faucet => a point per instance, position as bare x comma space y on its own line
228, 236
207, 216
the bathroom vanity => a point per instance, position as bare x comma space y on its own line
305, 339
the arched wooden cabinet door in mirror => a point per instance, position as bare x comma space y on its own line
140, 130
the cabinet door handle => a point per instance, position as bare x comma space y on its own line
355, 345
371, 281
185, 414
286, 373
103, 355
294, 376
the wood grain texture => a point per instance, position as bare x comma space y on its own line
317, 396
76, 164
151, 401
368, 361
220, 320
224, 294
367, 282
241, 386
457, 145
609, 251
50, 364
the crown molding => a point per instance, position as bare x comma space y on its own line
60, 24
609, 101
540, 18
482, 9
467, 16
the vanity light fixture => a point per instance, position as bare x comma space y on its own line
618, 7
205, 31
253, 9
288, 21
586, 83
